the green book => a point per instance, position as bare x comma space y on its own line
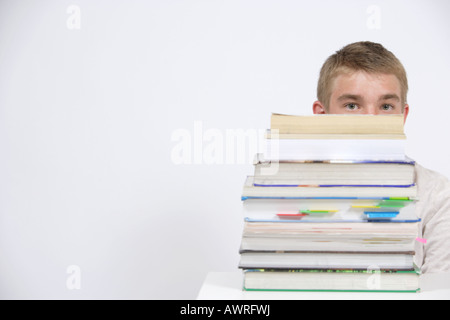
370, 280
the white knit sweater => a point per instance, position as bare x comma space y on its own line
433, 208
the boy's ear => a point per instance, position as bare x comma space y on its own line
319, 108
405, 112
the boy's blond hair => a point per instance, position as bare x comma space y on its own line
360, 56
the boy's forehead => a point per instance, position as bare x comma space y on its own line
361, 81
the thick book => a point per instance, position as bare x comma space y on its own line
334, 173
329, 237
337, 124
332, 280
325, 260
334, 149
250, 191
330, 210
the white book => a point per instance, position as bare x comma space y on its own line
334, 173
329, 237
252, 191
330, 210
328, 244
334, 149
325, 260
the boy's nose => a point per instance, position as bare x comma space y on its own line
371, 109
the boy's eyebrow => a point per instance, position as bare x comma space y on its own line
347, 96
356, 97
390, 96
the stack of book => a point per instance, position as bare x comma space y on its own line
331, 206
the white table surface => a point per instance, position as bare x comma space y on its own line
228, 286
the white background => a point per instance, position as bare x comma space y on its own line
87, 117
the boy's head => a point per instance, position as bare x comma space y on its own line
362, 77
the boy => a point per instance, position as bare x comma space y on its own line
365, 78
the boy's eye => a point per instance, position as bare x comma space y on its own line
351, 106
387, 107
